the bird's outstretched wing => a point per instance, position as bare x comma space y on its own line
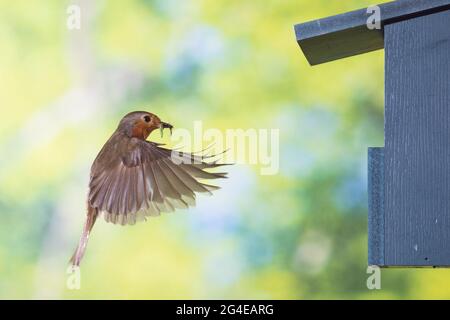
147, 179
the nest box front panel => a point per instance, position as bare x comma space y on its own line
417, 141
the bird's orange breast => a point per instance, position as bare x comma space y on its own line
141, 130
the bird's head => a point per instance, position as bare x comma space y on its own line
140, 124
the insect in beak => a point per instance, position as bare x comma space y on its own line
164, 125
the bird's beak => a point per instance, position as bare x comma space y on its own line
164, 125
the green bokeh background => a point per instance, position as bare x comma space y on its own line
300, 234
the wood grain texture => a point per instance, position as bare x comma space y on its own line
346, 34
417, 141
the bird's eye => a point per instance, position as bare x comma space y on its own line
147, 118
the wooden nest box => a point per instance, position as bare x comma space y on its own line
409, 178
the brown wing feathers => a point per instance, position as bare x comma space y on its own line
132, 178
147, 180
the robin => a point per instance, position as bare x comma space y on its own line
132, 178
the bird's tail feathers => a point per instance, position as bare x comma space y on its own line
90, 221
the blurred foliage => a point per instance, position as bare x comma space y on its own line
300, 234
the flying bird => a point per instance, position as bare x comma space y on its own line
132, 178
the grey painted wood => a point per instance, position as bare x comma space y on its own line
376, 206
417, 141
347, 34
